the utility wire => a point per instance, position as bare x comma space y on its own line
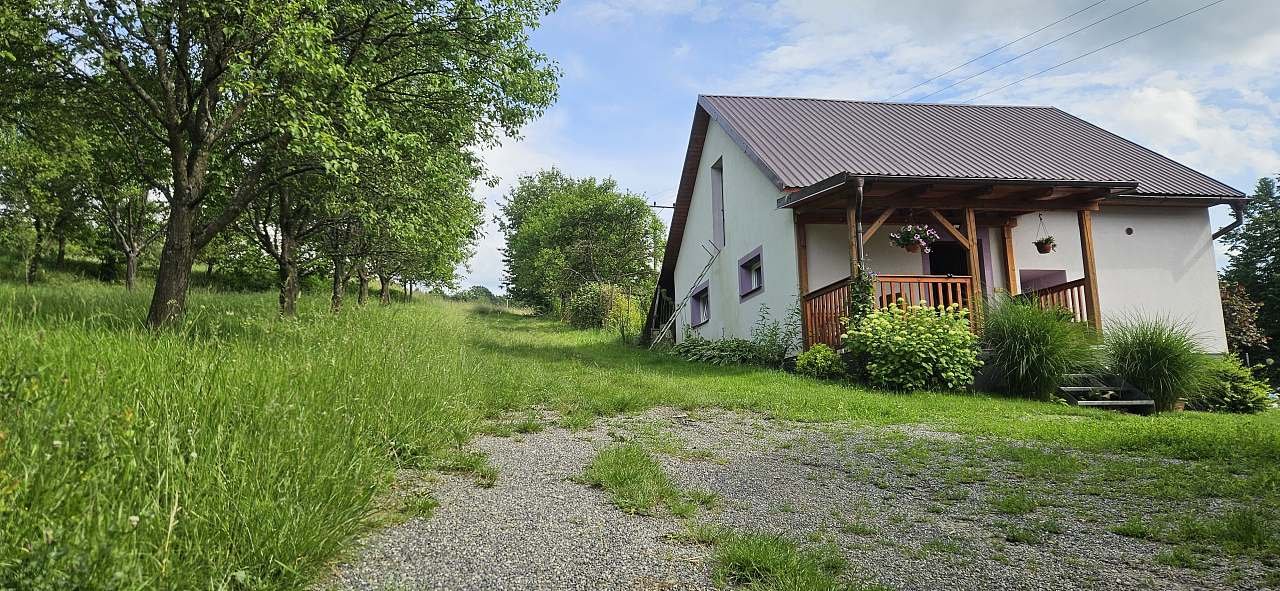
997, 49
1087, 54
1037, 48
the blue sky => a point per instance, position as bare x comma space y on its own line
1202, 90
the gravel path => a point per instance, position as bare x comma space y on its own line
910, 509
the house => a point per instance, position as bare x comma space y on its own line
781, 198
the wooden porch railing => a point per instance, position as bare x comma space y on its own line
823, 307
1069, 296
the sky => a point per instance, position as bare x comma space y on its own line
1201, 90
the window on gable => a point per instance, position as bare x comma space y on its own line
700, 306
717, 203
751, 273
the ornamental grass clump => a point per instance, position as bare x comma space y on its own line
1030, 348
915, 347
1158, 356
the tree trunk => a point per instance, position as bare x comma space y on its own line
339, 284
384, 289
62, 249
287, 272
173, 277
130, 268
33, 263
363, 272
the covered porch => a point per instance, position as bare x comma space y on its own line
842, 225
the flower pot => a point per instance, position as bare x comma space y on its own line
912, 247
1044, 247
1180, 405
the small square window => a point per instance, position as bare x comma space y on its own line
751, 274
700, 306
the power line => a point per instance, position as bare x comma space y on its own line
1087, 54
997, 49
1031, 51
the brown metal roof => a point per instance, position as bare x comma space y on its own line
799, 142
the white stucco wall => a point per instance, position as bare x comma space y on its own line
1165, 268
829, 254
751, 220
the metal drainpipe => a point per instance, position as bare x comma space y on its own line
859, 184
1238, 209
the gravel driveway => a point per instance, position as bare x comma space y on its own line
910, 509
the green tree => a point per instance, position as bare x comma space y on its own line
227, 90
1255, 259
563, 233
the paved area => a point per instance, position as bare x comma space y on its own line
909, 509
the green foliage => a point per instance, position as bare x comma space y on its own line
1030, 348
718, 351
1158, 356
820, 361
773, 563
912, 347
775, 338
563, 233
1255, 255
1229, 386
1240, 315
634, 480
862, 298
600, 305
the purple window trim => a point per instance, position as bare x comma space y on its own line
695, 312
717, 203
745, 289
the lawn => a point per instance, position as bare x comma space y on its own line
246, 451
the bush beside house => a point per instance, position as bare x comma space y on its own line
908, 347
1030, 347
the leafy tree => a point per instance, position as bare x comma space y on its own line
1255, 267
228, 90
1241, 316
563, 233
42, 163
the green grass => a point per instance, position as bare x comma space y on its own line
1015, 503
634, 480
764, 562
241, 447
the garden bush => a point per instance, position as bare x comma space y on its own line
915, 347
601, 305
820, 361
719, 351
1158, 356
1229, 386
1030, 348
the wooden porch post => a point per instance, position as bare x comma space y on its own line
1085, 218
853, 218
971, 234
1010, 263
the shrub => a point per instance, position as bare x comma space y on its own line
774, 339
820, 361
1158, 356
1229, 386
1030, 348
719, 352
910, 347
601, 305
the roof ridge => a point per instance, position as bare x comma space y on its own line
867, 102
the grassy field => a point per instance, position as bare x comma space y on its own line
244, 451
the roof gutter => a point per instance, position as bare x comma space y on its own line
1237, 208
842, 179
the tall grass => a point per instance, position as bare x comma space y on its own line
245, 451
1157, 355
1030, 348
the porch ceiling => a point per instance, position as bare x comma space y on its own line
1011, 197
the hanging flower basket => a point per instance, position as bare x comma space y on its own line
1046, 245
914, 238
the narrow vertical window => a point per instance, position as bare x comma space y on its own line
700, 306
717, 203
751, 273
